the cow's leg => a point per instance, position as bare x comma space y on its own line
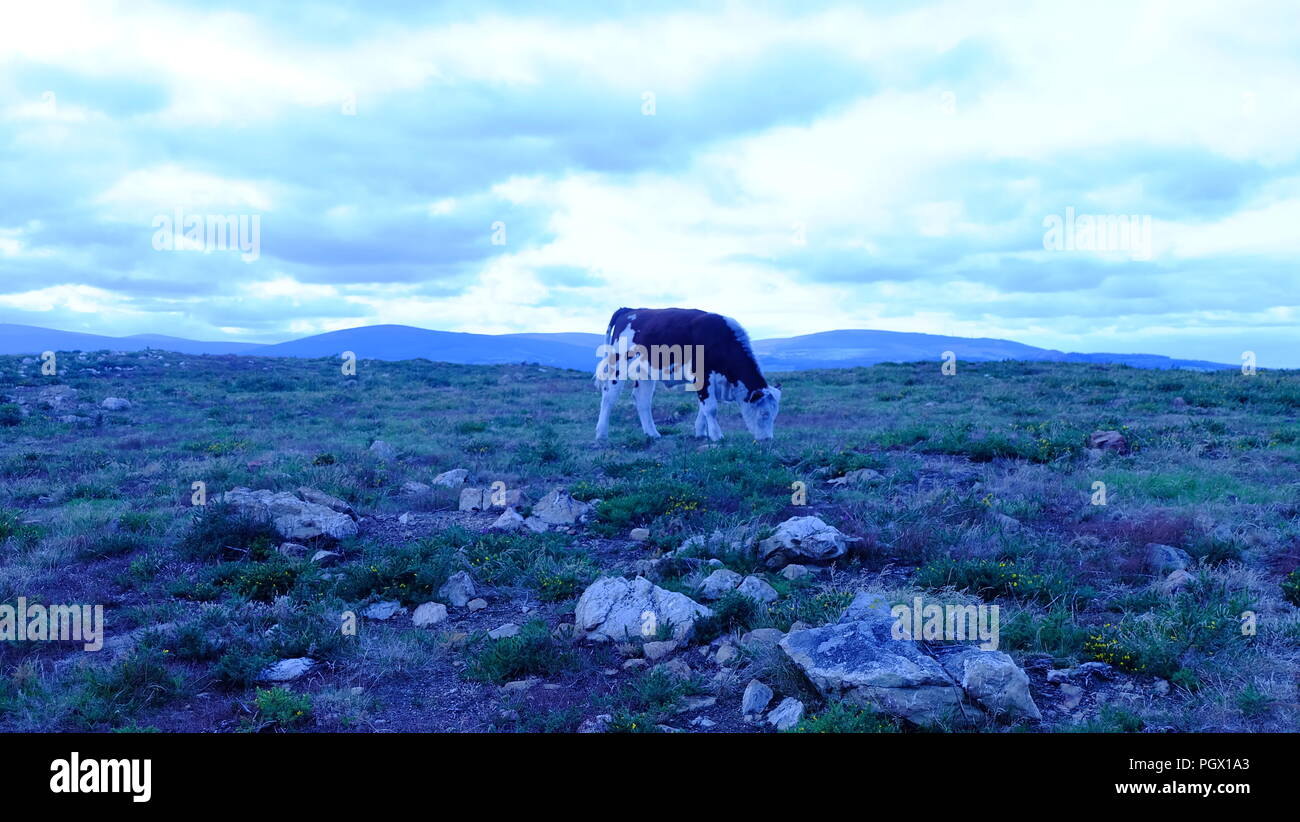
609, 391
701, 422
643, 392
710, 410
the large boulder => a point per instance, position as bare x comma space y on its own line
805, 539
617, 609
859, 660
293, 518
558, 508
330, 502
993, 680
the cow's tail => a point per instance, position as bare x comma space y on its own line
609, 341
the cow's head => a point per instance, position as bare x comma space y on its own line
759, 411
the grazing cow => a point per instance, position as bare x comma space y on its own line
647, 346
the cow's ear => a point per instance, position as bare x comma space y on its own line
754, 396
777, 386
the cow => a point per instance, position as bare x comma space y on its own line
673, 346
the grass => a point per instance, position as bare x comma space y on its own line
1214, 475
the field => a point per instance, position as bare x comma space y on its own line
986, 493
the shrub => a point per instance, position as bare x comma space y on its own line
734, 612
532, 652
283, 708
842, 718
218, 528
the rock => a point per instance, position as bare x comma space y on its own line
323, 557
535, 525
658, 650
415, 489
786, 715
634, 664
558, 508
58, 397
404, 519
676, 668
287, 670
859, 661
471, 499
510, 520
292, 550
1071, 695
476, 604
719, 583
1165, 559
520, 685
761, 639
383, 610
702, 722
726, 653
383, 450
1058, 676
1179, 402
1108, 441
756, 698
74, 419
598, 724
331, 502
501, 632
697, 703
429, 614
458, 589
993, 680
295, 519
115, 404
454, 478
1160, 687
858, 477
639, 534
756, 588
802, 538
1175, 582
613, 608
793, 572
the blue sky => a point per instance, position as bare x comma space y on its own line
800, 166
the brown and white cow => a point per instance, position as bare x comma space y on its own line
675, 346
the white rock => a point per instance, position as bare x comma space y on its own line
295, 519
471, 499
115, 404
454, 478
719, 583
639, 534
383, 610
428, 614
613, 608
805, 538
756, 698
510, 520
458, 589
415, 489
658, 650
476, 604
793, 571
287, 670
383, 450
503, 631
558, 508
786, 715
757, 588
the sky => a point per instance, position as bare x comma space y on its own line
1113, 177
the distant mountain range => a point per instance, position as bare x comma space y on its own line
828, 349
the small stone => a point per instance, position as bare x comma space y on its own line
287, 670
519, 685
1160, 687
292, 550
1165, 559
639, 534
702, 722
452, 479
786, 715
115, 404
1108, 441
761, 638
756, 588
405, 519
658, 650
1059, 675
719, 583
756, 698
508, 630
676, 667
510, 520
383, 610
476, 604
726, 653
415, 489
429, 614
383, 450
634, 664
323, 557
1175, 582
458, 589
471, 499
1072, 695
793, 571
